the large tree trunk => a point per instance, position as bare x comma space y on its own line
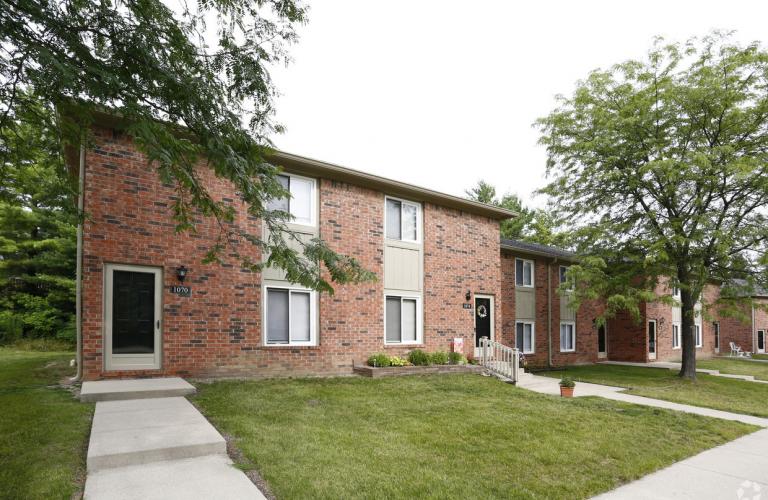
687, 335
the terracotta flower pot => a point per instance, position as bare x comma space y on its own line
566, 392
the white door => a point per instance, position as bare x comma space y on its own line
652, 339
132, 317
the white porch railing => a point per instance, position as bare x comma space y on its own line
500, 359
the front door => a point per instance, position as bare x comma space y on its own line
132, 317
761, 341
716, 328
483, 320
602, 342
652, 339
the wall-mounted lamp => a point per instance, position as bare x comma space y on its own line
181, 273
468, 296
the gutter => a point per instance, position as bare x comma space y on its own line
79, 265
754, 332
549, 313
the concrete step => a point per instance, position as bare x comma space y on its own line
142, 388
186, 479
141, 431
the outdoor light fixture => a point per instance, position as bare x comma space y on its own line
468, 296
181, 273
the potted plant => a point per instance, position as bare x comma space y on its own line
566, 386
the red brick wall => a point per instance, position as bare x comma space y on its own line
586, 334
627, 338
217, 331
461, 252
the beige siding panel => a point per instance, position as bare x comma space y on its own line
525, 304
274, 274
402, 268
677, 315
567, 313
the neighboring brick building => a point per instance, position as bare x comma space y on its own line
435, 255
537, 319
749, 332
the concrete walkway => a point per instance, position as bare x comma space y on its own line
550, 385
156, 447
671, 365
738, 469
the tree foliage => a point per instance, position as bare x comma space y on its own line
662, 166
534, 225
38, 218
193, 87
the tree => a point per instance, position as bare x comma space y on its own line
662, 167
38, 218
193, 86
534, 225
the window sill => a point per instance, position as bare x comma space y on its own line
407, 346
269, 347
524, 286
568, 352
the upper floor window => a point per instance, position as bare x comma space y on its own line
301, 204
402, 220
524, 272
564, 276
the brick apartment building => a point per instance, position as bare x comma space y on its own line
443, 273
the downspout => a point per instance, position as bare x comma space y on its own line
79, 265
549, 313
754, 331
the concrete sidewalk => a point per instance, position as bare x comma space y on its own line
550, 385
157, 447
737, 470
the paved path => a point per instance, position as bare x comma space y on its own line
157, 447
718, 473
671, 365
737, 470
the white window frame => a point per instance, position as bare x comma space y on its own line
419, 330
312, 316
572, 324
533, 270
697, 335
533, 337
418, 219
312, 201
676, 335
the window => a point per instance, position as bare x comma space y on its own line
675, 335
402, 324
567, 337
716, 327
523, 272
525, 337
301, 204
697, 333
402, 220
676, 292
290, 316
564, 276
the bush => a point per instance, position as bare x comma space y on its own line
418, 357
567, 381
397, 361
457, 358
379, 360
439, 358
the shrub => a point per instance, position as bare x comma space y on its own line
380, 360
397, 361
439, 358
457, 358
567, 381
418, 357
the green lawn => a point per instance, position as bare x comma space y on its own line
440, 436
736, 367
760, 356
707, 391
43, 429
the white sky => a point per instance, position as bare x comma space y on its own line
442, 94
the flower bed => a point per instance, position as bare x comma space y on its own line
393, 371
418, 362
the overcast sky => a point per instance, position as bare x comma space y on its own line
443, 94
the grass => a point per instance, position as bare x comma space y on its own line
760, 356
43, 429
707, 391
736, 366
445, 436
